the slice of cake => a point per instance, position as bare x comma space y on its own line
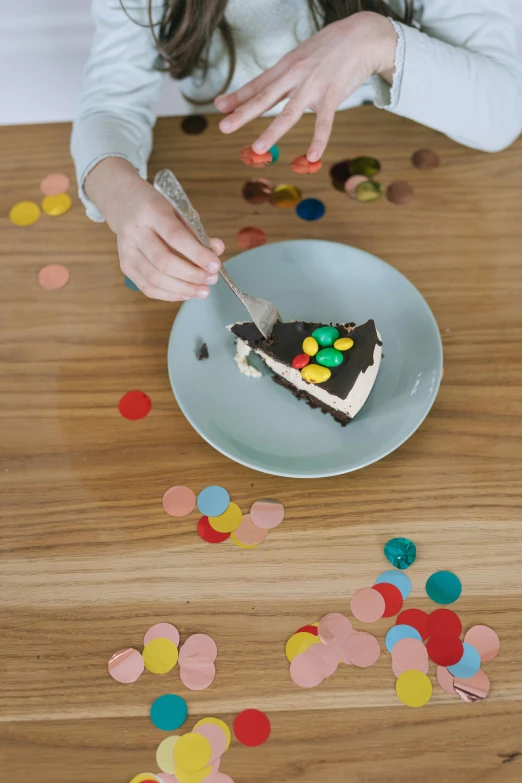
331, 366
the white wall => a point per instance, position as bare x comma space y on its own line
43, 47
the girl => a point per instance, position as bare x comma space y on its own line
449, 64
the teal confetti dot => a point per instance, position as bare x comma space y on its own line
401, 581
213, 501
468, 665
168, 712
444, 587
401, 552
398, 632
130, 284
274, 151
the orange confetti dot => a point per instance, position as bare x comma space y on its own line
257, 161
302, 165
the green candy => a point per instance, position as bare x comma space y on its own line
326, 335
329, 357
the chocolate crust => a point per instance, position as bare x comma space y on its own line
342, 418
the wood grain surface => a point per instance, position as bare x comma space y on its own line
89, 559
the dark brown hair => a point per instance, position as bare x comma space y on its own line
184, 32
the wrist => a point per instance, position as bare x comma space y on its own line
381, 41
107, 184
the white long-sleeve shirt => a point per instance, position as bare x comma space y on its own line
457, 71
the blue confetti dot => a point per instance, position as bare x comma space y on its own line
274, 151
468, 665
310, 209
168, 712
130, 284
213, 501
401, 581
444, 587
398, 632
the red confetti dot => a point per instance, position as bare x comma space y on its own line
208, 533
444, 621
300, 361
417, 619
393, 599
254, 159
135, 405
252, 728
313, 629
302, 165
250, 237
445, 650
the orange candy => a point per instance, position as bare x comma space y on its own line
255, 160
302, 165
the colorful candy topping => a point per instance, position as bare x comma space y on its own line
329, 357
300, 361
315, 373
310, 345
326, 335
343, 343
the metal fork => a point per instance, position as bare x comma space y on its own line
263, 313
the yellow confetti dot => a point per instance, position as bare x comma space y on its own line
160, 656
298, 643
217, 722
25, 213
240, 545
192, 752
191, 777
57, 205
165, 754
229, 521
144, 776
413, 688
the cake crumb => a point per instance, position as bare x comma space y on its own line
202, 353
241, 359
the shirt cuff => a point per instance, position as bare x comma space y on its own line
98, 137
387, 96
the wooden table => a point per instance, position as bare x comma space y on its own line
90, 560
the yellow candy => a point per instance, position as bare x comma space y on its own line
413, 688
24, 213
165, 754
310, 346
298, 643
144, 776
192, 752
160, 656
192, 777
56, 205
217, 722
228, 521
315, 373
343, 343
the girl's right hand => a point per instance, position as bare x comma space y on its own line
157, 251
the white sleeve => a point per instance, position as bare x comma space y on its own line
460, 75
115, 116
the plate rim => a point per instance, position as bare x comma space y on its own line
328, 474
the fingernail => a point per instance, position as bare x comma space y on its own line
225, 125
211, 279
214, 266
312, 156
259, 147
202, 293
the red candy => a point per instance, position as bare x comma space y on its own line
302, 165
445, 650
300, 361
393, 600
207, 532
417, 619
444, 621
254, 159
313, 629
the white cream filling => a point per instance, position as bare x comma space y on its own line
241, 359
357, 395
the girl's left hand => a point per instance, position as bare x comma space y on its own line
319, 75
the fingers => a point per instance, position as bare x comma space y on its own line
156, 284
323, 129
263, 100
218, 246
289, 116
228, 103
172, 265
177, 236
